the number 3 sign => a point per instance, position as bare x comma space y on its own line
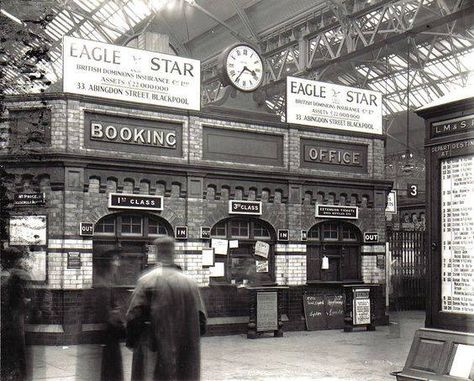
412, 190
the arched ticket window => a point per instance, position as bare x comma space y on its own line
121, 247
241, 263
340, 243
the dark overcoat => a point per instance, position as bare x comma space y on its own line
165, 319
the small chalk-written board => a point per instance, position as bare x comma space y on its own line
335, 311
315, 312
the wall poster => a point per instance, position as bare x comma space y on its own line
28, 230
457, 234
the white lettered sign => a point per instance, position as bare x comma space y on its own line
320, 104
117, 72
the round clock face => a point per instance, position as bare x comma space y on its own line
244, 68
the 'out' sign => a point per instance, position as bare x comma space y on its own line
86, 229
371, 237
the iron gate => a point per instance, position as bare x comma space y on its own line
407, 270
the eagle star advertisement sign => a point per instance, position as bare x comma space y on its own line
326, 105
127, 74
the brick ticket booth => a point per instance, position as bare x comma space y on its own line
117, 174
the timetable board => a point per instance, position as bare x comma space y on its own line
457, 234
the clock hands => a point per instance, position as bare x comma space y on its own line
246, 69
237, 79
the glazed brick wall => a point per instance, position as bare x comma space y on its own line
290, 269
370, 272
83, 196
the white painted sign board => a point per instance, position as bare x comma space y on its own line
336, 107
127, 74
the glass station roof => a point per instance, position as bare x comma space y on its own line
30, 58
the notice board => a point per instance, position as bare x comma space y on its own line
267, 311
457, 234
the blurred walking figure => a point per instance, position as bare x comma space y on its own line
112, 368
14, 360
165, 319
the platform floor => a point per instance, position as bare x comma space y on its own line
317, 355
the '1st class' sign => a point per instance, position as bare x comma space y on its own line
135, 201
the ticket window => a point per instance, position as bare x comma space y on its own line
241, 264
333, 253
121, 248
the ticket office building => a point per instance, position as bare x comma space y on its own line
117, 175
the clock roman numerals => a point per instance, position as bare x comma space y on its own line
243, 68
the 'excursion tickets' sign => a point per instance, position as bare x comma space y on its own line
128, 74
327, 105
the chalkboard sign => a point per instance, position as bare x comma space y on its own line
335, 311
315, 312
267, 311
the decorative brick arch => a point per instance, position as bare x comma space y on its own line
311, 222
356, 224
96, 215
228, 217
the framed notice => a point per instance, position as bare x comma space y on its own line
361, 306
331, 106
28, 230
74, 260
457, 235
127, 74
361, 311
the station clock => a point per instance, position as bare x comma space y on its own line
242, 67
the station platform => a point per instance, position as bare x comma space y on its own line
316, 355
